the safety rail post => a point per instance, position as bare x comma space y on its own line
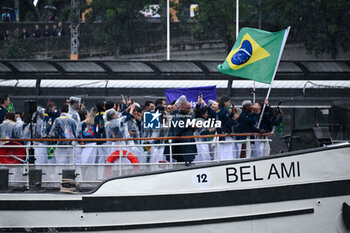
74, 147
26, 171
217, 149
170, 153
266, 147
248, 148
120, 160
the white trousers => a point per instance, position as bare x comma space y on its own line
226, 150
63, 155
203, 152
89, 154
258, 149
237, 147
41, 155
103, 153
157, 154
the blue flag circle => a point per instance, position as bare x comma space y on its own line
243, 54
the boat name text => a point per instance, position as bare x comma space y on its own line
250, 172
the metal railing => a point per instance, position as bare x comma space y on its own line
92, 173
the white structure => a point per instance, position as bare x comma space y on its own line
293, 192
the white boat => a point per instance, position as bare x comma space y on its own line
303, 191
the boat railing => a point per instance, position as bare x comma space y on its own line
139, 155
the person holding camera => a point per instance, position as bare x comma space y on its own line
203, 150
221, 114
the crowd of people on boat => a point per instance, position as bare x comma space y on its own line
111, 120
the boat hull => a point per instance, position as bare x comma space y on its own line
300, 192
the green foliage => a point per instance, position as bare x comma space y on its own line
28, 16
120, 22
322, 25
13, 50
213, 17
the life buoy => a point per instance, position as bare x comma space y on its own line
19, 152
116, 154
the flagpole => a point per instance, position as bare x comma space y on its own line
274, 74
168, 31
259, 10
254, 91
237, 17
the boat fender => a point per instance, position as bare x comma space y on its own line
116, 154
346, 215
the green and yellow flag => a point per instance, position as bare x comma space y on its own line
255, 55
50, 152
11, 108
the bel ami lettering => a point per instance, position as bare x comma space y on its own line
251, 173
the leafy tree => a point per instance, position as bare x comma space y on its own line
322, 25
120, 22
13, 50
214, 17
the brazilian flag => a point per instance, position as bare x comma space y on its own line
280, 128
11, 108
255, 55
50, 152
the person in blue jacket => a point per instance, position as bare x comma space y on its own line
221, 114
4, 104
184, 153
51, 114
247, 121
268, 121
270, 117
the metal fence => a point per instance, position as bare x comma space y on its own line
135, 159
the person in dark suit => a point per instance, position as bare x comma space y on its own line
4, 104
37, 31
184, 153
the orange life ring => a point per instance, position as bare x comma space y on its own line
116, 154
19, 152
